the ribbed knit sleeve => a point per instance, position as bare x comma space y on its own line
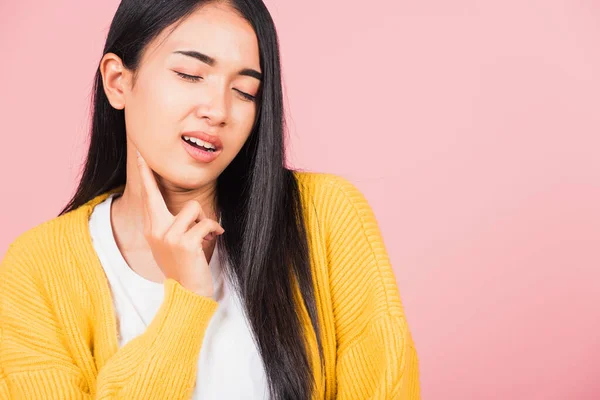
38, 362
376, 357
162, 362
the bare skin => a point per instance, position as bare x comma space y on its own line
160, 105
176, 241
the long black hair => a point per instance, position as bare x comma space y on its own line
258, 196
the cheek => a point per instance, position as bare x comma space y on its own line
243, 115
154, 110
242, 121
165, 102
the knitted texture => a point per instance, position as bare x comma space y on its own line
58, 331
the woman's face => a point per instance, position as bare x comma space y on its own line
201, 80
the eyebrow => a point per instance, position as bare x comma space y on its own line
211, 61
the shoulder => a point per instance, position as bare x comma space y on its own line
319, 180
30, 249
357, 260
50, 264
328, 186
334, 197
41, 237
53, 236
46, 247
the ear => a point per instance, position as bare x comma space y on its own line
115, 79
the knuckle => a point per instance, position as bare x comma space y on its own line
190, 246
207, 224
156, 233
171, 239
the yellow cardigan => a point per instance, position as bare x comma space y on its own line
58, 332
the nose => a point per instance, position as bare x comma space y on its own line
214, 106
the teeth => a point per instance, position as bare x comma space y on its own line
199, 142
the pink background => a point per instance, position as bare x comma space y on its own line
472, 127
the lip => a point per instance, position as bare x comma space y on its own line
200, 155
212, 139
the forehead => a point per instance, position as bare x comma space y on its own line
217, 31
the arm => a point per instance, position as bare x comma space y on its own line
162, 362
376, 353
37, 360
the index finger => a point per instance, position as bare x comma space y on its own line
154, 200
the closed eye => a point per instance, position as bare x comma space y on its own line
245, 95
190, 78
193, 78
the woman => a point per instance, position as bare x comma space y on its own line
191, 262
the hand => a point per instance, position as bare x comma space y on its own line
176, 241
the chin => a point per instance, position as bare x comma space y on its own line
188, 179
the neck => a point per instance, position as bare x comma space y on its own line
127, 208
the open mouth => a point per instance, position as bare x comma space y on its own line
200, 144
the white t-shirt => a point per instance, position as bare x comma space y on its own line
229, 366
